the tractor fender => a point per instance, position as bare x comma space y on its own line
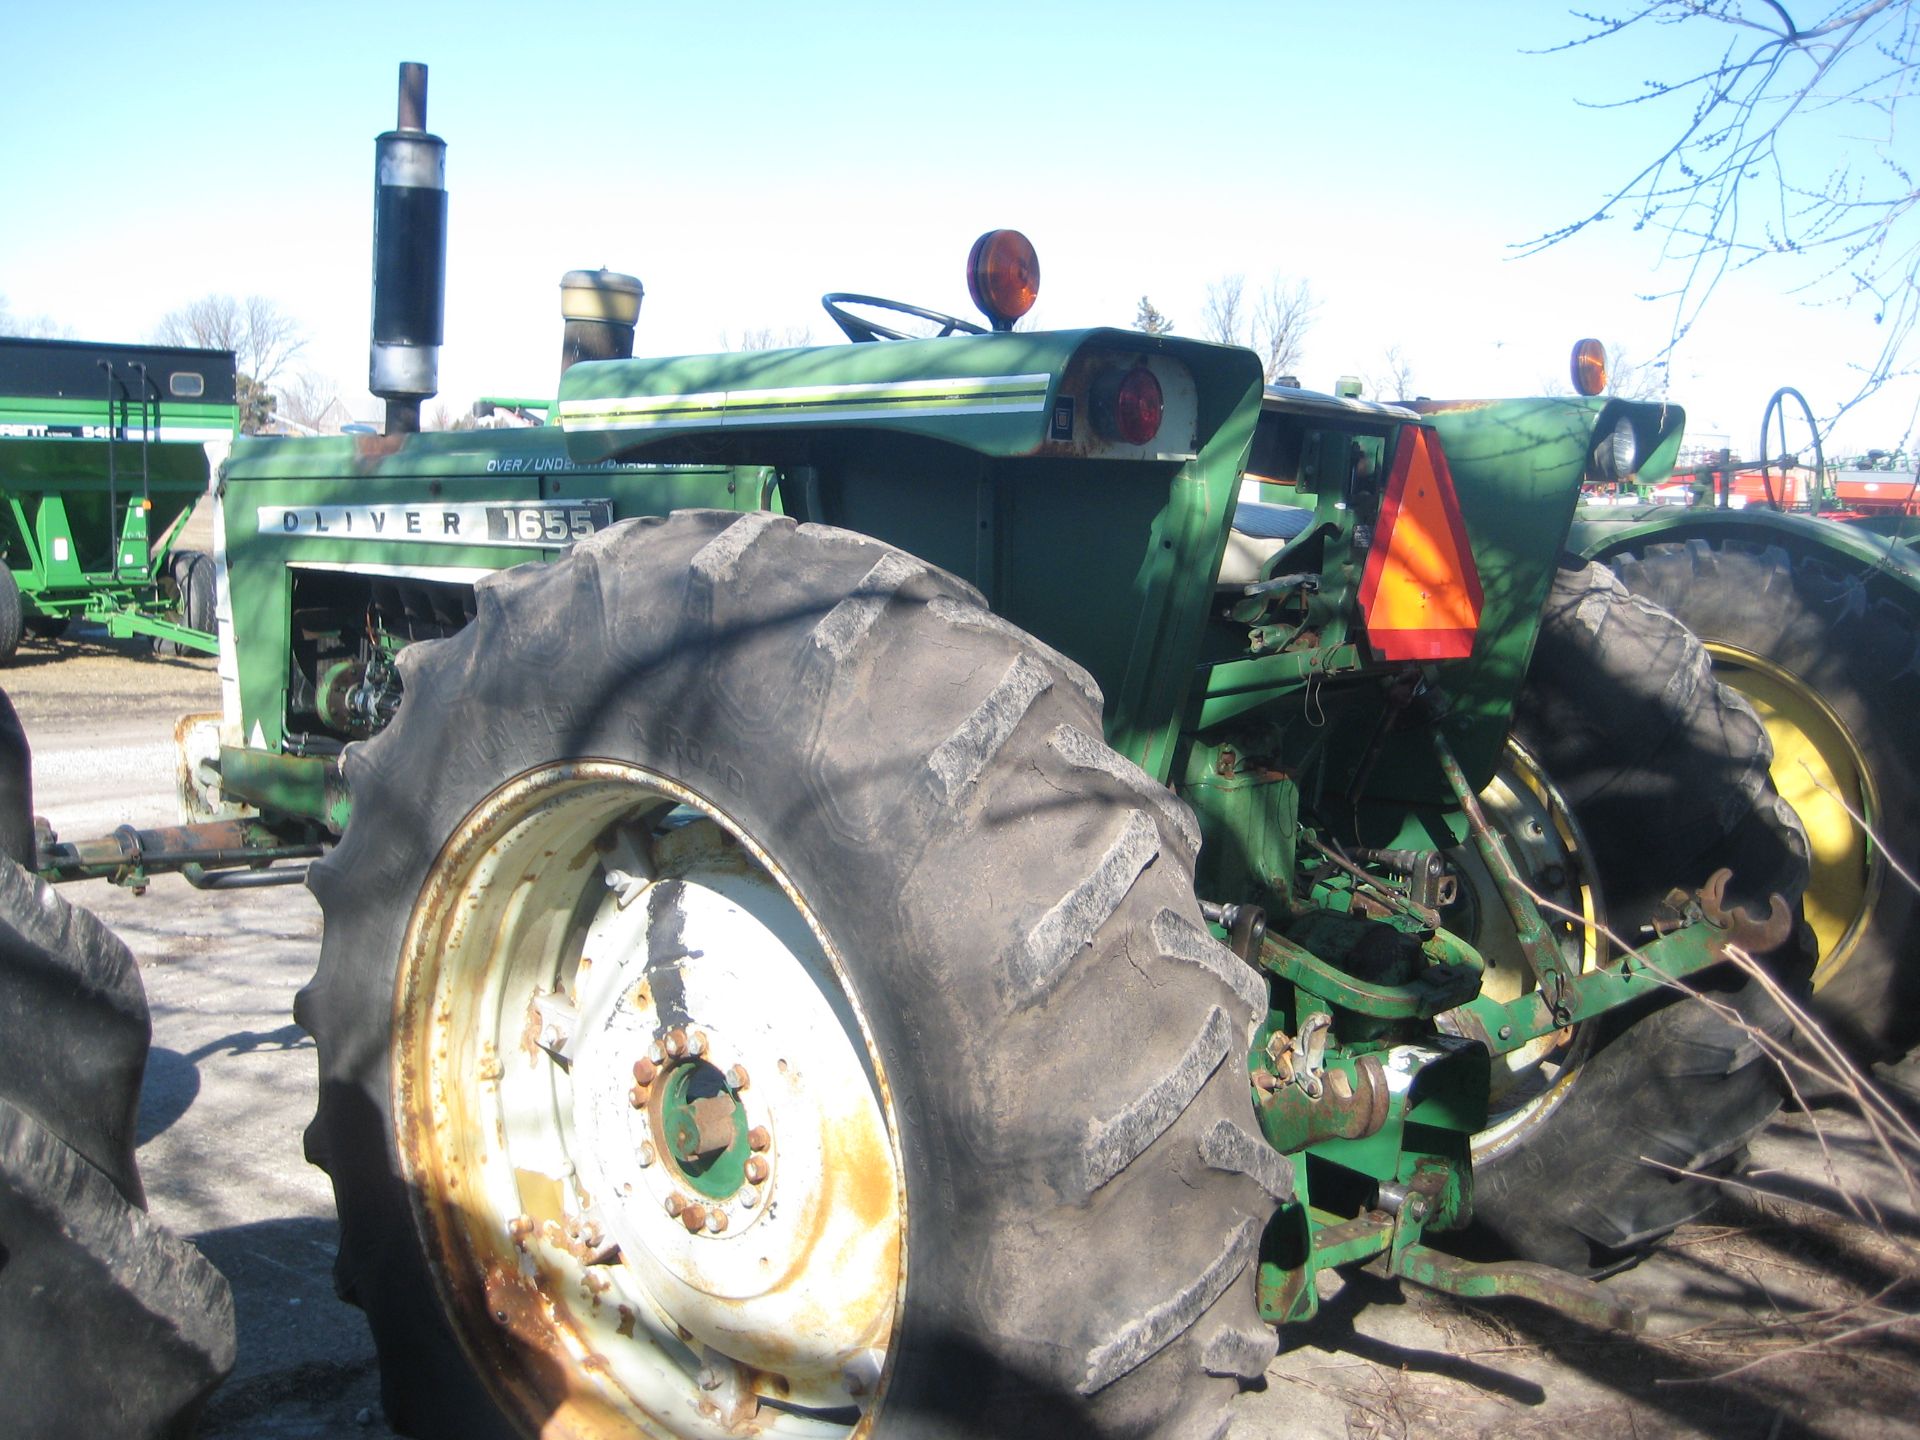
1887, 564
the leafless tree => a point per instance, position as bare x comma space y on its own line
1394, 379
1750, 177
262, 336
305, 399
448, 417
1280, 324
1274, 326
1634, 380
1221, 317
765, 337
32, 327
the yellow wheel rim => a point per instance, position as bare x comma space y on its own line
1545, 841
1819, 770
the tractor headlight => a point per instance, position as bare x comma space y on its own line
1617, 455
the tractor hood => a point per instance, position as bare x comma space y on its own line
999, 395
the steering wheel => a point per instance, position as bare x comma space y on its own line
858, 329
1779, 417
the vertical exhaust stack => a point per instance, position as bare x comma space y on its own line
409, 258
600, 308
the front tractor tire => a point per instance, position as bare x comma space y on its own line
1834, 671
753, 995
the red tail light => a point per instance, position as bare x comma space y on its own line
1138, 406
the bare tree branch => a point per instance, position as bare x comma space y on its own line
765, 337
1634, 380
1276, 327
1280, 324
263, 337
1220, 316
1750, 176
305, 399
1394, 379
32, 327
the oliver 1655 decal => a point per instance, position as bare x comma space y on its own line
548, 526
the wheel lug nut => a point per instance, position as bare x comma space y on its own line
639, 1095
694, 1217
646, 1153
749, 1198
758, 1138
675, 1204
737, 1078
645, 1071
676, 1043
657, 1053
697, 1043
756, 1169
716, 1221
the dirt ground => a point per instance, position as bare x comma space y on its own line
1781, 1314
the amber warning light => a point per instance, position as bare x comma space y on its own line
1420, 592
1589, 367
1003, 276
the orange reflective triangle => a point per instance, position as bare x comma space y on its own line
1420, 592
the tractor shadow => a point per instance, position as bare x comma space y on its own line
172, 1081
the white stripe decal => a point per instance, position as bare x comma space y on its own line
799, 404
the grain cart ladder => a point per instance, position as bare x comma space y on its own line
103, 451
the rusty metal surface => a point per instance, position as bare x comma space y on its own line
1517, 1279
583, 1279
1754, 934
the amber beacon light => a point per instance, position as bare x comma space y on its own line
1589, 367
1003, 276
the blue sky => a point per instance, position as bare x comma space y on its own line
742, 159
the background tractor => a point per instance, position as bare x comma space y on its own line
1805, 588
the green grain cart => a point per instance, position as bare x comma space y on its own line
104, 450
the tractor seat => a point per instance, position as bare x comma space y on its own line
1261, 530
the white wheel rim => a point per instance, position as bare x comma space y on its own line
644, 1291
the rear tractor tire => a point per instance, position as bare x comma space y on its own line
1632, 773
754, 997
109, 1325
1834, 671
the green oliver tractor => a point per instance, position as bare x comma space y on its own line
930, 887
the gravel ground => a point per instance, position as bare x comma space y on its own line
1754, 1317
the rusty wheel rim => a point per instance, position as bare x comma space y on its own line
646, 1132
